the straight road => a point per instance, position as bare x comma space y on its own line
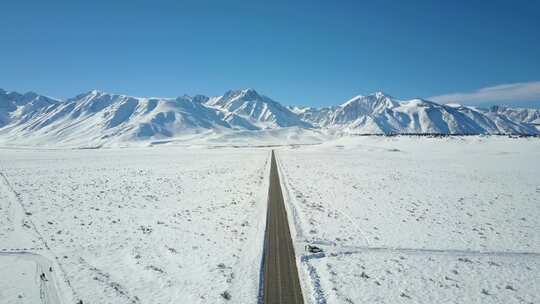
281, 282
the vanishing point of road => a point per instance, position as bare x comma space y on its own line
281, 282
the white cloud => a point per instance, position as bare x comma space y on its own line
504, 93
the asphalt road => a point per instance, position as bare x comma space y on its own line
281, 282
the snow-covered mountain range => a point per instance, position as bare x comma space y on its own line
380, 113
100, 117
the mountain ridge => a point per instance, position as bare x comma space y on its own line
99, 116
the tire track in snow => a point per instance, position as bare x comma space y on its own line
48, 285
105, 278
349, 250
29, 223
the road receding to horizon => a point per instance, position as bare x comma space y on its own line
281, 282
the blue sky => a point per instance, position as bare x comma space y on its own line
297, 52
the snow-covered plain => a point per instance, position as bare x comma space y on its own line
416, 219
400, 219
149, 225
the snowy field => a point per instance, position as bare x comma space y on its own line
417, 220
148, 225
400, 220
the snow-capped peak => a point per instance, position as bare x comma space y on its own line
368, 104
380, 94
249, 91
96, 92
259, 110
243, 94
88, 95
